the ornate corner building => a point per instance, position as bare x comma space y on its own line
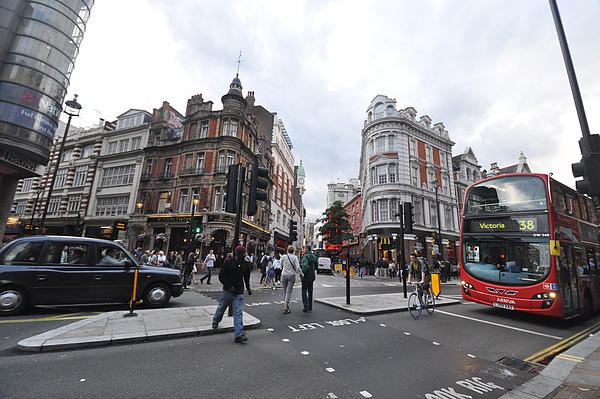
405, 159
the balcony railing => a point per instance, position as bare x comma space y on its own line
165, 175
192, 171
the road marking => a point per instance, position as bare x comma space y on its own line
562, 345
571, 358
366, 394
330, 369
72, 316
305, 353
500, 325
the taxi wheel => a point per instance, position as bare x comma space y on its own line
13, 300
156, 296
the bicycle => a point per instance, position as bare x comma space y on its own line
416, 304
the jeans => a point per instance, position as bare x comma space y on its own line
288, 281
237, 303
207, 275
307, 294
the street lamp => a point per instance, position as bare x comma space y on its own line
39, 191
73, 108
375, 248
439, 220
139, 206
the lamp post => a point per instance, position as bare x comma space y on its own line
73, 108
376, 252
139, 205
39, 190
439, 220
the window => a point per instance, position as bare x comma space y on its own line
67, 155
204, 129
391, 145
433, 212
193, 131
149, 167
382, 174
21, 206
230, 127
163, 202
80, 175
218, 205
389, 111
61, 178
54, 204
445, 185
87, 150
429, 154
392, 171
200, 163
117, 176
112, 147
74, 202
394, 210
183, 201
413, 148
380, 144
278, 216
379, 111
230, 157
136, 143
383, 210
168, 166
65, 253
112, 206
27, 183
123, 145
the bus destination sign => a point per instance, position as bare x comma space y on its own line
507, 224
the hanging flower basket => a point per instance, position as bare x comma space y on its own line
143, 237
201, 237
161, 237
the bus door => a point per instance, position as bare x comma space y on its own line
567, 279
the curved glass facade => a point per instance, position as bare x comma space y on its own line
37, 60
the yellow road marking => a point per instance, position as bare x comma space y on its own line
569, 357
72, 316
562, 345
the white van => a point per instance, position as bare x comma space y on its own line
324, 265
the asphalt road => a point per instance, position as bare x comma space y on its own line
459, 351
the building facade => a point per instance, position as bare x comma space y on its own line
407, 159
39, 41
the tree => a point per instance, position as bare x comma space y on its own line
336, 226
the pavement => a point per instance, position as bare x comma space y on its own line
574, 373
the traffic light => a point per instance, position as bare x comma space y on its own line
408, 218
231, 189
197, 224
293, 230
187, 229
258, 186
588, 168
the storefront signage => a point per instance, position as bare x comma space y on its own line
18, 160
120, 225
30, 99
220, 218
167, 219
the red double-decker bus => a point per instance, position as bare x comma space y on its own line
530, 243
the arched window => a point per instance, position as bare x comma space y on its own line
389, 111
379, 111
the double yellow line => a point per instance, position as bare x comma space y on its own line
72, 316
563, 345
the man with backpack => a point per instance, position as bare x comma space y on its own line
419, 270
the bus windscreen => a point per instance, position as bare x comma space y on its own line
510, 194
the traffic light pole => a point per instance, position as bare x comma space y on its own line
239, 207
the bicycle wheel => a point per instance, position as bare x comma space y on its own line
430, 303
414, 305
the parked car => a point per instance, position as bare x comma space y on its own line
63, 270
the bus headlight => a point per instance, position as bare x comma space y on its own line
547, 299
466, 287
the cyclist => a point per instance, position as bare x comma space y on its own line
419, 270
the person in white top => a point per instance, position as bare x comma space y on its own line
210, 264
290, 269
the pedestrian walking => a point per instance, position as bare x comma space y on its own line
264, 262
309, 267
392, 268
234, 274
189, 266
278, 270
290, 269
210, 264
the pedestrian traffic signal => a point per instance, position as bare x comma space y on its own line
197, 224
293, 230
589, 167
259, 182
408, 218
187, 228
231, 189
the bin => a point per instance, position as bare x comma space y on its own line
436, 287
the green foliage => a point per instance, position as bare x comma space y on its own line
336, 226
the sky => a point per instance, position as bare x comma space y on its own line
492, 71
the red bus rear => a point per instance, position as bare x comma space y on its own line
530, 243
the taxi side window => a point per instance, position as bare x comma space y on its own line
66, 253
24, 253
108, 255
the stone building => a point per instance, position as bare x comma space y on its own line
405, 158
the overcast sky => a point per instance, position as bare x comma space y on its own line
492, 71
